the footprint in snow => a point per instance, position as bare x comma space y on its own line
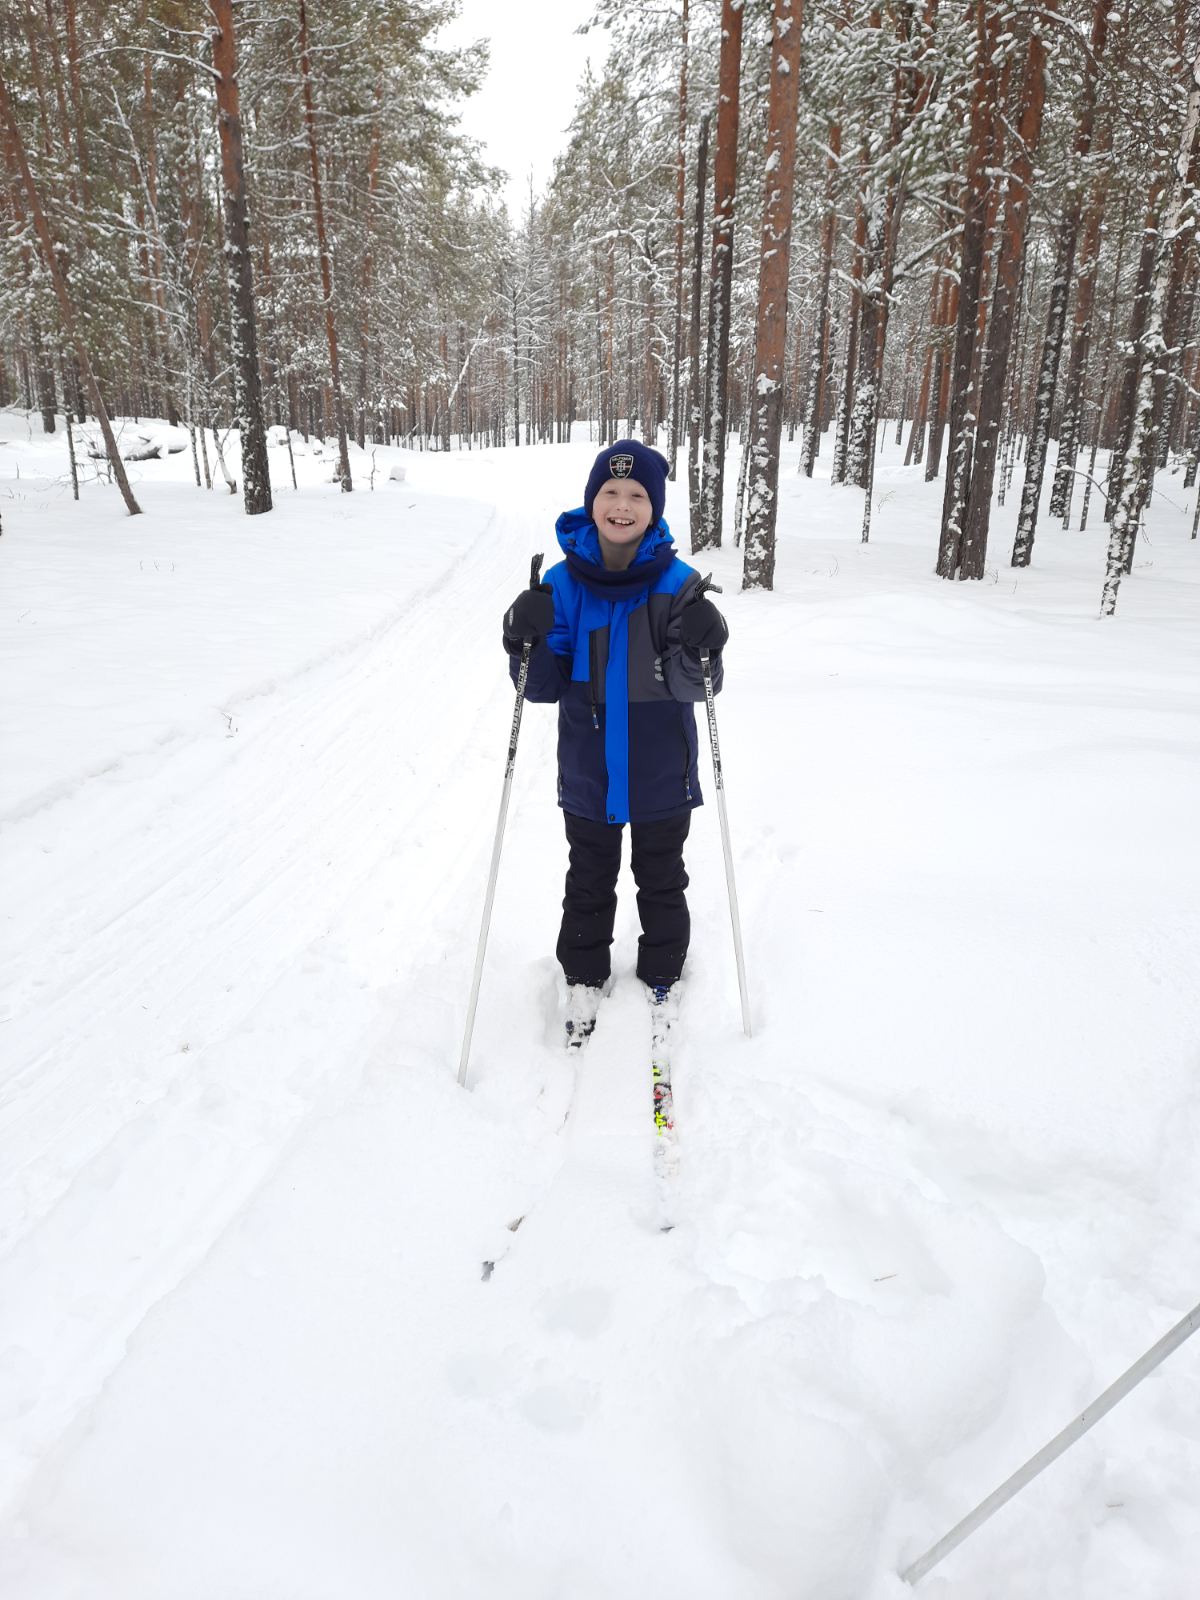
583, 1311
555, 1409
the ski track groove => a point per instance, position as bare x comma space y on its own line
221, 883
187, 868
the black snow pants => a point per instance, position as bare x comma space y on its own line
590, 903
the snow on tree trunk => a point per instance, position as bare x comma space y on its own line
1060, 288
841, 426
695, 397
920, 420
256, 475
1173, 316
1179, 213
883, 215
1070, 433
310, 124
46, 395
963, 398
973, 552
774, 262
940, 398
861, 427
1179, 338
66, 310
707, 534
680, 230
1126, 410
814, 404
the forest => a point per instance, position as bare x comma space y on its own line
974, 222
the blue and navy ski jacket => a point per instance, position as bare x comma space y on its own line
623, 682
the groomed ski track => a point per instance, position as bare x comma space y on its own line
294, 907
246, 1347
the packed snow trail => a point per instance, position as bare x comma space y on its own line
209, 921
245, 1348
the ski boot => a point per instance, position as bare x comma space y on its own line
583, 1002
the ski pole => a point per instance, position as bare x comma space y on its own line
719, 781
535, 571
1061, 1442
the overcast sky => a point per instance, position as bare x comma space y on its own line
528, 98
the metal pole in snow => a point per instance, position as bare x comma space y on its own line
1056, 1447
526, 648
719, 781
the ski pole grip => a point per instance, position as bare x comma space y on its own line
535, 571
706, 585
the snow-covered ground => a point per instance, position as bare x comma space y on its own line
942, 1198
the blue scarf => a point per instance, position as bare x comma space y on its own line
580, 544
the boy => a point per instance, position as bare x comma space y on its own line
617, 629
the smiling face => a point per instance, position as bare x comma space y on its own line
621, 512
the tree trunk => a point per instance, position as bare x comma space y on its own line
841, 434
650, 365
516, 368
708, 534
973, 551
256, 474
1070, 432
1140, 449
884, 212
695, 397
1060, 288
940, 383
1123, 422
76, 77
66, 312
774, 261
1173, 317
310, 124
680, 228
815, 401
975, 204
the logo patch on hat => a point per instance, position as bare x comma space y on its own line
620, 466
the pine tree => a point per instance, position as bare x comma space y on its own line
256, 475
774, 263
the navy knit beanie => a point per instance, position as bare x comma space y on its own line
626, 458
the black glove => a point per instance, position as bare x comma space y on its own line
702, 627
531, 616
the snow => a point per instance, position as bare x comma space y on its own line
941, 1199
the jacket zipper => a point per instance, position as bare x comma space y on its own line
593, 676
687, 761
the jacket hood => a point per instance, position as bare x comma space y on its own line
580, 543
